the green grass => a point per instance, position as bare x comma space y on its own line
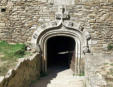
12, 51
9, 53
111, 64
110, 47
81, 74
106, 63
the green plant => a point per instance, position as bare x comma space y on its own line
9, 53
12, 51
82, 74
111, 64
105, 63
110, 47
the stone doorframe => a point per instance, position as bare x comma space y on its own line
61, 28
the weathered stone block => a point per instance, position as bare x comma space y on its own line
2, 24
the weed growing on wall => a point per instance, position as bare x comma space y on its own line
110, 47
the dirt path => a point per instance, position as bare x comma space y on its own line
59, 77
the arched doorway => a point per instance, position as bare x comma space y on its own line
45, 33
60, 52
62, 26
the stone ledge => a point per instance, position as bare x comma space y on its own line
26, 71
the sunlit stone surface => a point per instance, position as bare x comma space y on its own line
62, 2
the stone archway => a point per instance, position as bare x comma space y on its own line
62, 28
41, 44
60, 52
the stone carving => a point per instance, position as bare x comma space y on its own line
70, 24
85, 49
58, 16
35, 36
87, 35
54, 23
62, 14
66, 15
81, 27
63, 26
43, 26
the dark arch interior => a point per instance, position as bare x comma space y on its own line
60, 50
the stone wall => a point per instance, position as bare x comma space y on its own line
24, 74
19, 16
97, 19
96, 76
19, 19
106, 71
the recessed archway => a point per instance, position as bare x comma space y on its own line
60, 28
60, 51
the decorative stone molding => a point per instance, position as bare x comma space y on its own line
85, 49
62, 26
54, 23
43, 26
62, 14
87, 35
35, 36
81, 27
70, 24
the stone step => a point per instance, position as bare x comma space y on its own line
63, 76
65, 85
74, 83
65, 79
57, 85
